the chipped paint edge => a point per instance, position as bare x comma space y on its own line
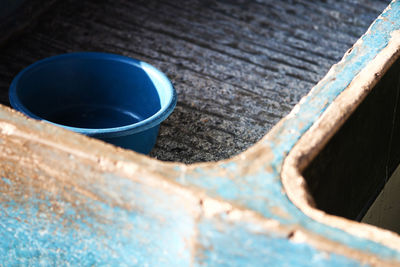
128, 163
313, 141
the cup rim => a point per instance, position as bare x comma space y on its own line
150, 122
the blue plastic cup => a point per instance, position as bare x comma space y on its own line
113, 98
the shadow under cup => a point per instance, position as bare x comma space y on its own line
113, 98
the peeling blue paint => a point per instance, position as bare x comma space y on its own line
262, 190
5, 180
249, 246
104, 234
146, 226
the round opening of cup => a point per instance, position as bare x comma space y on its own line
91, 92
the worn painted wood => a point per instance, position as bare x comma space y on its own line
381, 38
82, 202
67, 199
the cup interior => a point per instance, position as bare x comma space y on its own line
92, 91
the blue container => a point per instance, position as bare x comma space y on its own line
113, 98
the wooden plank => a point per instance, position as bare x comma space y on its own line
67, 198
360, 70
385, 211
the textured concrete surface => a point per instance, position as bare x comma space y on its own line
238, 66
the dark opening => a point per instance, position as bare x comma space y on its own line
349, 173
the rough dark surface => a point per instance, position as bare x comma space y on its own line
349, 173
238, 66
15, 15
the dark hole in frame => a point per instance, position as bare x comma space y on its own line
352, 169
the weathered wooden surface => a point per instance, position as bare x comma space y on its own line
329, 105
66, 198
385, 211
238, 66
